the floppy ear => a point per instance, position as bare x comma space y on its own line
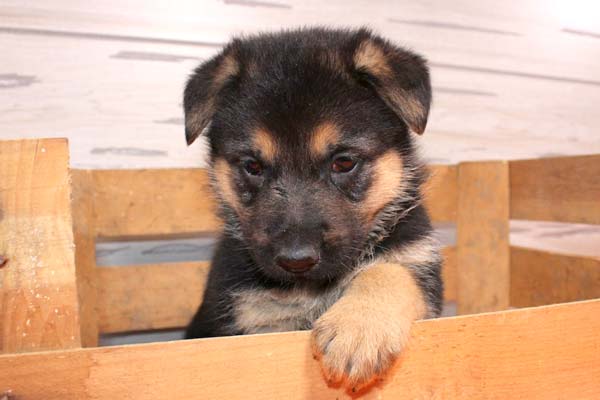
401, 78
202, 91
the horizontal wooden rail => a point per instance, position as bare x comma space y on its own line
145, 297
164, 296
540, 277
538, 353
563, 189
153, 202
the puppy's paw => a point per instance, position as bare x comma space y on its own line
358, 342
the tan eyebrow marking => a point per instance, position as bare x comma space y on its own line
322, 137
265, 143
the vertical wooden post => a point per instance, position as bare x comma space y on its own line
84, 220
38, 293
483, 253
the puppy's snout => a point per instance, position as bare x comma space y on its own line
298, 259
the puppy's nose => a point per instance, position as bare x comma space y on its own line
298, 260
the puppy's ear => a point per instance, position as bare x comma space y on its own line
401, 78
202, 91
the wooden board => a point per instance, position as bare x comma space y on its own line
153, 202
482, 237
161, 296
85, 254
541, 353
450, 274
441, 193
540, 277
565, 189
38, 293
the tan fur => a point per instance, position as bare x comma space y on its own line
265, 143
371, 57
420, 252
411, 110
275, 310
222, 176
325, 135
386, 186
229, 67
199, 117
364, 331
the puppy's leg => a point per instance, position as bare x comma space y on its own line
359, 337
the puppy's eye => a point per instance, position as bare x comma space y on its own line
253, 167
343, 164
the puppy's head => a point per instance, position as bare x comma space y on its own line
310, 139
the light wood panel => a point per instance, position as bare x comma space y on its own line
563, 189
441, 193
82, 184
161, 296
540, 277
153, 202
540, 353
482, 237
38, 293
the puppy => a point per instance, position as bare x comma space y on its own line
314, 166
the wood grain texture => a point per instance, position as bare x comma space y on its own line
85, 254
450, 274
539, 353
38, 293
482, 237
144, 297
441, 193
153, 202
565, 189
540, 277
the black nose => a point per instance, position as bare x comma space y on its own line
298, 260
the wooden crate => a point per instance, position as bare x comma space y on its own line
55, 301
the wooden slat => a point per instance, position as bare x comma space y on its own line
153, 202
38, 293
540, 353
449, 274
85, 254
441, 195
146, 297
482, 237
540, 277
563, 189
134, 298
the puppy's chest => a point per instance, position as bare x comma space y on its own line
277, 310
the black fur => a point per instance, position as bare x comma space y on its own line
288, 83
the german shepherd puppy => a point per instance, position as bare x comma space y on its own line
314, 165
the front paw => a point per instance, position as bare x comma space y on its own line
358, 342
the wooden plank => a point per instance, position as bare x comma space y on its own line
538, 353
565, 189
38, 293
85, 254
161, 296
441, 193
450, 274
482, 237
540, 277
153, 202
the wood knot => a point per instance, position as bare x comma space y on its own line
3, 261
